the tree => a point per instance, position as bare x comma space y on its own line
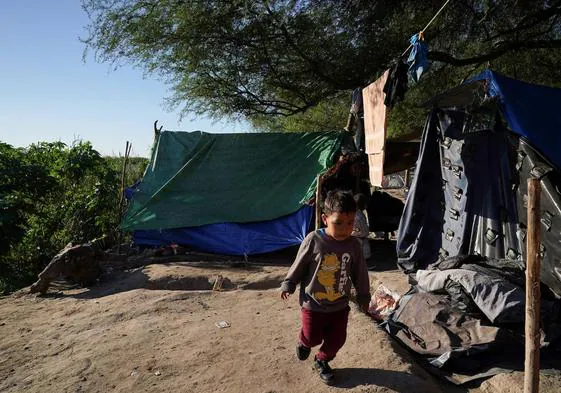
270, 59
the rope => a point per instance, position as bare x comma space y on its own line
427, 26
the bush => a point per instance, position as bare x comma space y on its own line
52, 194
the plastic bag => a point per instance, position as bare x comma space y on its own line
383, 303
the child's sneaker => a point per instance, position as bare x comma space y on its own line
325, 372
302, 352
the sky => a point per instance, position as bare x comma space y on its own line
48, 93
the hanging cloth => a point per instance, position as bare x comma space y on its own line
396, 85
418, 61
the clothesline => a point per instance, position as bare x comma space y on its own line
427, 26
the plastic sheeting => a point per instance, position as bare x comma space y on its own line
419, 234
531, 111
235, 239
530, 163
196, 178
500, 300
468, 195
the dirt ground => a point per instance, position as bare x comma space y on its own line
153, 329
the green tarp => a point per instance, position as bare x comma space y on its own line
196, 178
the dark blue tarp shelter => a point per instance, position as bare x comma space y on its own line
235, 238
531, 111
470, 187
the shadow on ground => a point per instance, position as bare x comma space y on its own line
175, 276
399, 381
127, 275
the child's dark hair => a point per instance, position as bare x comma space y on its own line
361, 201
339, 202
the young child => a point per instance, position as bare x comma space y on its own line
361, 229
326, 263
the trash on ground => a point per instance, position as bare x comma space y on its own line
218, 283
383, 303
223, 324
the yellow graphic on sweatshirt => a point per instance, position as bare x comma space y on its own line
326, 276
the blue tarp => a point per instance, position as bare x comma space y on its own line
234, 238
531, 111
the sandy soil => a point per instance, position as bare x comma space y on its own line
153, 329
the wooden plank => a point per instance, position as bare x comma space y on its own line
532, 327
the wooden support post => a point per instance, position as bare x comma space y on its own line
123, 172
156, 129
532, 331
406, 180
128, 148
318, 202
349, 127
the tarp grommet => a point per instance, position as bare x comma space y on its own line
512, 254
457, 170
491, 236
447, 142
540, 171
546, 220
520, 160
454, 214
458, 192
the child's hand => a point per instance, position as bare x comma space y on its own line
285, 295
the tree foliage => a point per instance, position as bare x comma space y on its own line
327, 115
264, 60
52, 194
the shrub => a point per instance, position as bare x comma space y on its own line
52, 194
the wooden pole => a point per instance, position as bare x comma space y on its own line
532, 329
318, 202
122, 188
406, 180
122, 192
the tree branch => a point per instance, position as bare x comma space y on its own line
532, 20
494, 54
314, 65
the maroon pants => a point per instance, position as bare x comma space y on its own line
329, 327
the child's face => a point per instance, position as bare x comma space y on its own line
339, 225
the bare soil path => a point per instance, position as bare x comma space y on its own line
153, 329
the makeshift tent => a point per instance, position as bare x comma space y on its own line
229, 193
469, 191
462, 233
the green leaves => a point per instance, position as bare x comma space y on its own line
265, 60
52, 194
